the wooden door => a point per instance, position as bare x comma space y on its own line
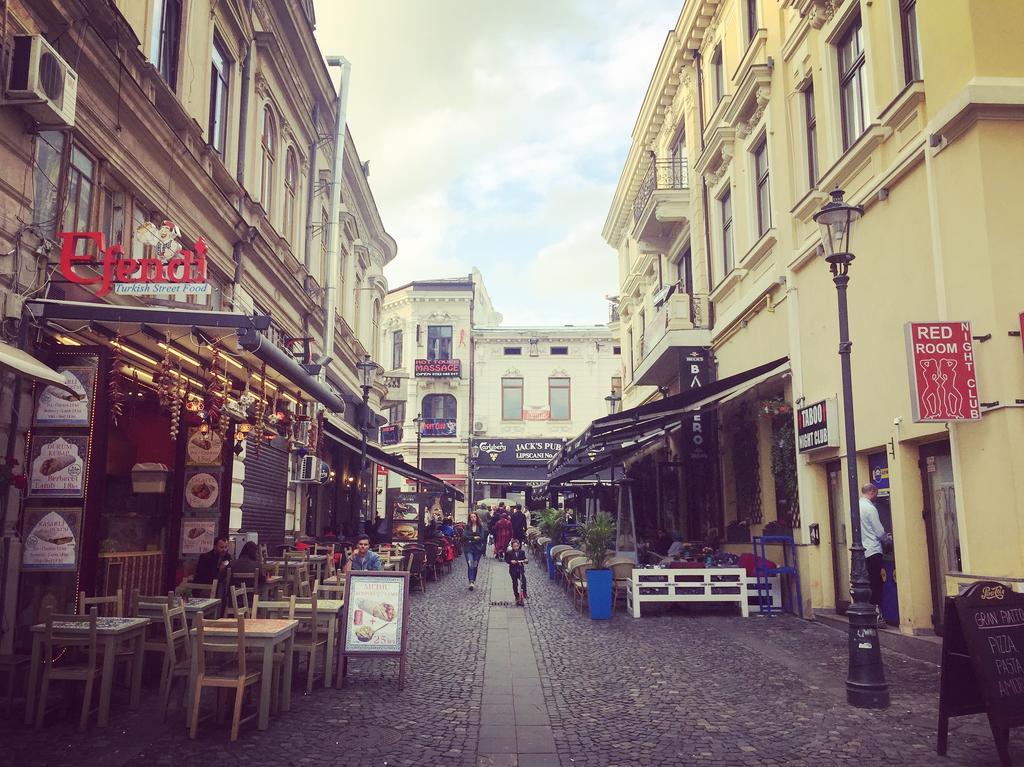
838, 526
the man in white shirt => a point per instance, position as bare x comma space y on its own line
871, 534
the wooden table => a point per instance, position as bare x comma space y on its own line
260, 634
317, 563
110, 633
334, 608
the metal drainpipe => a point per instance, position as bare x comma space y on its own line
704, 183
307, 258
330, 286
472, 400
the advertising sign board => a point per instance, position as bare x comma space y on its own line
817, 426
943, 378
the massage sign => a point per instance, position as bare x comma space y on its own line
167, 268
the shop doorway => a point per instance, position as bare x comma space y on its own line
936, 465
838, 527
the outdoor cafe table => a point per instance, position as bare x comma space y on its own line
110, 632
319, 561
263, 635
324, 607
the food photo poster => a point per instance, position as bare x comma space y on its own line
57, 466
373, 622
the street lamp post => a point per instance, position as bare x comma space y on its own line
418, 420
368, 370
865, 681
614, 402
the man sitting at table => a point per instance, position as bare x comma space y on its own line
213, 563
363, 558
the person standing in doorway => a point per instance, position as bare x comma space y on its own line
474, 544
518, 524
516, 559
871, 535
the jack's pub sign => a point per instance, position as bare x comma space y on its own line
515, 452
438, 369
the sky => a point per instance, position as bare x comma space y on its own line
496, 132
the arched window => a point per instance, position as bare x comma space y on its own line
375, 328
439, 406
268, 153
290, 183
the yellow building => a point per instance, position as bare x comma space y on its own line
756, 111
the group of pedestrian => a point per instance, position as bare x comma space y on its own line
508, 531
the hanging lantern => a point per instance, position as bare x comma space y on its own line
204, 427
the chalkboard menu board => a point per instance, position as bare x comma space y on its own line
983, 660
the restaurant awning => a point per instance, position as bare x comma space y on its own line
13, 358
390, 462
513, 475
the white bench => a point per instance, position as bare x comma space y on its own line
714, 584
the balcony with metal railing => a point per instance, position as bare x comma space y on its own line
680, 321
662, 203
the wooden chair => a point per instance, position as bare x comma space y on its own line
561, 566
579, 582
188, 588
240, 601
233, 676
417, 561
150, 603
622, 578
12, 664
109, 606
273, 609
300, 582
430, 563
297, 556
331, 590
85, 667
153, 607
310, 637
177, 653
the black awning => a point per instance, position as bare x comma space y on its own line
390, 462
688, 402
511, 474
84, 311
262, 348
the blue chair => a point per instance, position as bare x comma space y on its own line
789, 575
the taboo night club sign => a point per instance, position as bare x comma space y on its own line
167, 268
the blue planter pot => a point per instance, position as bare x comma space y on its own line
551, 562
599, 594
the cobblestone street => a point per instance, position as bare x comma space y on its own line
504, 687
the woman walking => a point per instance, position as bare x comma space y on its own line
474, 543
516, 559
502, 535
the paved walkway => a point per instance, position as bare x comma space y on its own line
492, 685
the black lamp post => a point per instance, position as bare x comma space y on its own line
418, 421
865, 681
368, 370
614, 402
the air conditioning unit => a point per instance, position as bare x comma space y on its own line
306, 469
479, 427
41, 82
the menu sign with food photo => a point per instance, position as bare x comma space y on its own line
57, 466
405, 532
203, 449
375, 613
51, 539
197, 535
60, 407
201, 489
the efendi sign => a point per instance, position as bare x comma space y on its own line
438, 369
170, 270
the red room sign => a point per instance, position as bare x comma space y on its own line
943, 377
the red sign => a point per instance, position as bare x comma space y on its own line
170, 271
943, 379
438, 369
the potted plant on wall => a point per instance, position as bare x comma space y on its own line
595, 538
552, 524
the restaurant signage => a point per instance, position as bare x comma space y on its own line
51, 539
438, 427
57, 466
376, 606
390, 434
169, 270
817, 426
59, 407
438, 368
515, 452
943, 379
982, 671
695, 368
197, 535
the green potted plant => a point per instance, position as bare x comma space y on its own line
595, 538
552, 524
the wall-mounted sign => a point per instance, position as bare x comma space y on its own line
59, 407
514, 452
170, 270
52, 539
390, 434
438, 368
201, 489
878, 469
197, 535
694, 368
439, 427
537, 413
943, 379
817, 426
57, 466
203, 449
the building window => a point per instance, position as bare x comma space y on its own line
268, 153
219, 73
725, 208
396, 414
439, 406
291, 173
560, 350
396, 350
717, 77
512, 399
163, 49
559, 399
616, 350
438, 465
911, 45
811, 136
139, 249
851, 83
764, 198
513, 351
46, 178
78, 209
751, 20
112, 216
439, 342
684, 271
